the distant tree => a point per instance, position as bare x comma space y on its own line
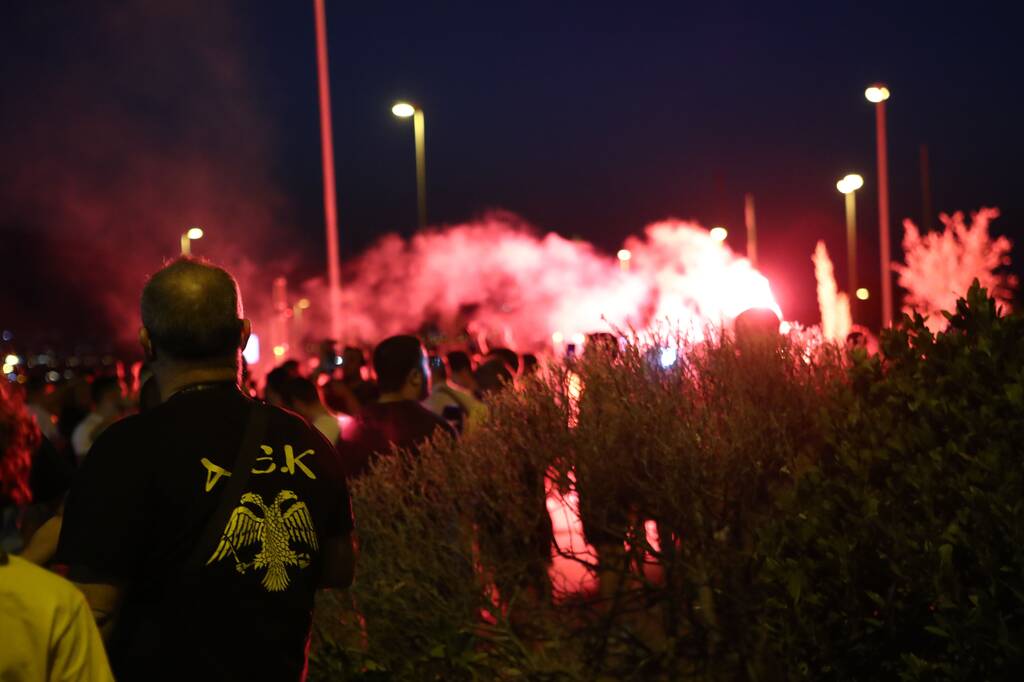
941, 265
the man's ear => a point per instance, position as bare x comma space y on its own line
147, 344
415, 378
243, 341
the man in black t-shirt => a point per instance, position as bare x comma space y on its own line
199, 530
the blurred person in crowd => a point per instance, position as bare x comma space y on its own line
492, 376
530, 364
461, 371
272, 385
327, 363
199, 530
39, 400
352, 363
457, 406
75, 400
506, 355
48, 632
301, 396
107, 407
398, 419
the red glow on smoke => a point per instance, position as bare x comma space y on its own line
498, 278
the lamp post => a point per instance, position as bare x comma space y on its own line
327, 153
849, 186
189, 236
878, 94
406, 110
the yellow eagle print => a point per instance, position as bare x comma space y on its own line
275, 531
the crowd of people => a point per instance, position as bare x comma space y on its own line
195, 512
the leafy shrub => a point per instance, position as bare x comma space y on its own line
901, 555
816, 517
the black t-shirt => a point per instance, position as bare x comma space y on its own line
142, 502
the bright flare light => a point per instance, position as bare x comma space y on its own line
668, 357
194, 233
719, 234
851, 183
279, 351
403, 110
877, 93
12, 360
625, 254
863, 294
251, 353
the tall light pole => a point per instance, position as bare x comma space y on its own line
189, 236
327, 151
849, 186
750, 218
405, 110
878, 94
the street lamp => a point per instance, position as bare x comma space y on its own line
407, 110
189, 236
849, 186
877, 94
625, 255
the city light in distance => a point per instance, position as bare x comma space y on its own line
877, 93
863, 294
403, 110
850, 183
718, 234
194, 233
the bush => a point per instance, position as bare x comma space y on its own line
902, 554
816, 518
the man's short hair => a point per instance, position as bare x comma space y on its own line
192, 311
508, 356
394, 358
296, 390
103, 386
459, 361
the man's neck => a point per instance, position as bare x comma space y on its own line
172, 379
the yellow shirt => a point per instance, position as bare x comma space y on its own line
47, 631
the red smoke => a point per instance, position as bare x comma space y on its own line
519, 288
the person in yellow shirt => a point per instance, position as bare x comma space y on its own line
47, 630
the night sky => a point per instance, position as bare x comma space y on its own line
122, 121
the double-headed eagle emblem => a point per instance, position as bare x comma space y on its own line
275, 531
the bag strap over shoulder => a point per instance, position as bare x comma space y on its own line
255, 431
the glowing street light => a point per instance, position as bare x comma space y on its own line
849, 186
877, 94
189, 236
718, 234
624, 255
863, 294
407, 110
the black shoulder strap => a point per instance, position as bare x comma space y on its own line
255, 430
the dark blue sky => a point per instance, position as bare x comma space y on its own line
585, 120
